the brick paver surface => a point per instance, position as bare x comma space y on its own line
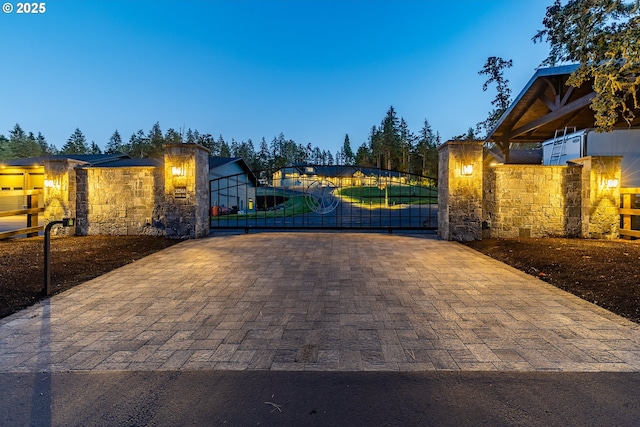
317, 301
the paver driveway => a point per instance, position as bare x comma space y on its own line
317, 301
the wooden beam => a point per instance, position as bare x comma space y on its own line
560, 112
632, 233
21, 212
7, 234
21, 192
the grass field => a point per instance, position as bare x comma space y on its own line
397, 195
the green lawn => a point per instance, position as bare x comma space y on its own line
294, 205
397, 194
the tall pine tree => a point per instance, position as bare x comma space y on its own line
76, 144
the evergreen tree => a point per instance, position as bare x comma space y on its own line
5, 149
225, 150
375, 147
207, 141
172, 137
190, 138
76, 144
390, 140
347, 152
155, 141
426, 152
364, 156
138, 143
406, 145
45, 148
94, 148
115, 144
264, 157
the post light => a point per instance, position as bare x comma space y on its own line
467, 170
177, 171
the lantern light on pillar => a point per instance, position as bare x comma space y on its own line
177, 171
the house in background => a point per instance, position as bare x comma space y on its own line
301, 175
232, 185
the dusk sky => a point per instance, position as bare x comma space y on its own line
313, 70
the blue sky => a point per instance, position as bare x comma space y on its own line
313, 70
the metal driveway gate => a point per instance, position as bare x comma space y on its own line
331, 197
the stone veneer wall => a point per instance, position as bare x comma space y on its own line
532, 201
460, 196
601, 216
117, 201
186, 216
60, 200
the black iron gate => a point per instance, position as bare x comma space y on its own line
331, 197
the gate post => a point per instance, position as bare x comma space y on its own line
601, 178
460, 190
186, 193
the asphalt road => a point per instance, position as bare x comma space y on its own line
244, 398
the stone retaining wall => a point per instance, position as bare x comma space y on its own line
116, 201
519, 201
532, 201
171, 199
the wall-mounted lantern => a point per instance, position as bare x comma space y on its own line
51, 183
467, 170
177, 171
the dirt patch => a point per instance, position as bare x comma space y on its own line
604, 272
73, 260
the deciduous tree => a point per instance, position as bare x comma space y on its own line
603, 36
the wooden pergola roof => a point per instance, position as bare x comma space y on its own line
546, 104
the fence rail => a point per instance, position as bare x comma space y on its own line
31, 211
629, 214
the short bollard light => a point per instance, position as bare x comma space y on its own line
66, 222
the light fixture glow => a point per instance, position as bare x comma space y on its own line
48, 183
177, 171
612, 183
467, 170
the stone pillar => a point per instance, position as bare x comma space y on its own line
186, 190
460, 190
60, 192
601, 177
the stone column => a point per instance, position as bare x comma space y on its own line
460, 190
60, 192
186, 190
601, 177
